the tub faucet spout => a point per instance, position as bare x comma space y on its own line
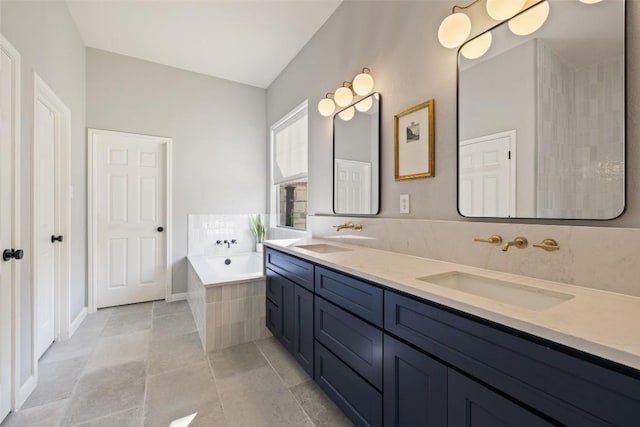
230, 242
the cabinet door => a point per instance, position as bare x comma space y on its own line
415, 387
303, 314
473, 405
274, 319
287, 297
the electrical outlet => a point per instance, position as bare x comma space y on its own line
405, 204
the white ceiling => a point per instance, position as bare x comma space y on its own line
247, 41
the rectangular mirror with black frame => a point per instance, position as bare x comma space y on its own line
356, 158
541, 117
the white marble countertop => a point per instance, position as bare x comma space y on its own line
602, 323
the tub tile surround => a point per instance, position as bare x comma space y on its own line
206, 229
603, 258
228, 314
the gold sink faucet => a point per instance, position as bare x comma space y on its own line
519, 242
348, 226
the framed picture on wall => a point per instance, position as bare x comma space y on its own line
414, 142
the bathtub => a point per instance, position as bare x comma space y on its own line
227, 297
221, 270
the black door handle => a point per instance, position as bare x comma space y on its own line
160, 229
12, 253
56, 239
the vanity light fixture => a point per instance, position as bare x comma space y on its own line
361, 85
363, 82
343, 95
364, 105
456, 28
501, 10
477, 47
326, 106
347, 114
530, 21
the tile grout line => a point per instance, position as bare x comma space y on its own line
284, 384
215, 383
82, 373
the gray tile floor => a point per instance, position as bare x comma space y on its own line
143, 365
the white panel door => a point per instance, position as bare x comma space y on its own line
131, 214
6, 208
44, 209
354, 187
487, 176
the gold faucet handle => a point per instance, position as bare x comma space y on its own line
494, 240
549, 245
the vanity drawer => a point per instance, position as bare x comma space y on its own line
356, 296
294, 269
528, 369
360, 401
355, 341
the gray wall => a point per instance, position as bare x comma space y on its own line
217, 126
49, 44
398, 41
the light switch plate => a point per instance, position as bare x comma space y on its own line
405, 203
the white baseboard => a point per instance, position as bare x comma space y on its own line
177, 297
25, 391
77, 321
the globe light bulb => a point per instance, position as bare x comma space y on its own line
363, 84
364, 105
454, 30
530, 21
343, 96
347, 114
501, 10
477, 47
326, 107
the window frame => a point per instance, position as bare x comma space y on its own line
275, 187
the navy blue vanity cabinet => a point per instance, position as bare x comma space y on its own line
290, 305
294, 269
473, 405
303, 328
356, 342
415, 387
358, 399
539, 377
349, 344
360, 298
281, 309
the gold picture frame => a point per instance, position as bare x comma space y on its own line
414, 142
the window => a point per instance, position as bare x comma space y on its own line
289, 151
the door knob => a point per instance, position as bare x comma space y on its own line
56, 239
160, 229
12, 253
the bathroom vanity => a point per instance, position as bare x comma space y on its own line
397, 340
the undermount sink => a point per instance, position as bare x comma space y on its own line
499, 290
323, 248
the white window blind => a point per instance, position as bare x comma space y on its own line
290, 154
